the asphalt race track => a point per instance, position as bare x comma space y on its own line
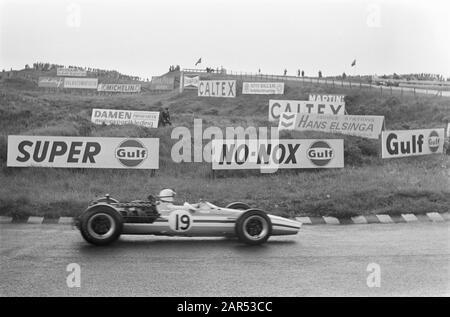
322, 260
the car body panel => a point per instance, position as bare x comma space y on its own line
201, 220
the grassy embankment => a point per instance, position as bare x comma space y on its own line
367, 184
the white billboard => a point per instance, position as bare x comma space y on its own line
50, 82
119, 117
217, 88
80, 83
119, 87
191, 82
363, 126
327, 98
263, 88
82, 152
277, 107
70, 72
277, 154
162, 83
411, 142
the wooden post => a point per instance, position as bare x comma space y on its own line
181, 82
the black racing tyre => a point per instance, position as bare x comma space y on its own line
253, 227
101, 226
238, 205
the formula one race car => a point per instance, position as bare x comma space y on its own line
106, 219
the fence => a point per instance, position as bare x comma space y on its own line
332, 82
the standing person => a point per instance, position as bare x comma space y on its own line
285, 72
298, 73
165, 117
303, 73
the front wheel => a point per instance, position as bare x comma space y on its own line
101, 226
254, 227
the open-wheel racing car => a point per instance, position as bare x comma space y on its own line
106, 219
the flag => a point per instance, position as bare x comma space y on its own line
354, 62
199, 61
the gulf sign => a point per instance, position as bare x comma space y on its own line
277, 154
82, 152
277, 107
262, 88
191, 82
119, 87
70, 72
50, 82
404, 143
147, 119
327, 98
217, 88
162, 83
363, 126
80, 83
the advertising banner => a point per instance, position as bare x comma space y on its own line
82, 152
277, 107
363, 126
80, 83
217, 88
71, 72
191, 82
50, 82
277, 154
411, 142
162, 83
147, 119
327, 98
262, 88
119, 87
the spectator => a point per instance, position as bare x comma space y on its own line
165, 117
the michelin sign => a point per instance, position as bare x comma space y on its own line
82, 152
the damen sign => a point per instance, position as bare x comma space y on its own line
217, 88
119, 87
276, 107
363, 126
82, 152
411, 142
263, 88
271, 153
119, 117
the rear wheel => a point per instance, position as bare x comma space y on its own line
101, 226
254, 227
238, 205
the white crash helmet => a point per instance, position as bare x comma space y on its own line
167, 195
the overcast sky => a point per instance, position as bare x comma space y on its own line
144, 37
